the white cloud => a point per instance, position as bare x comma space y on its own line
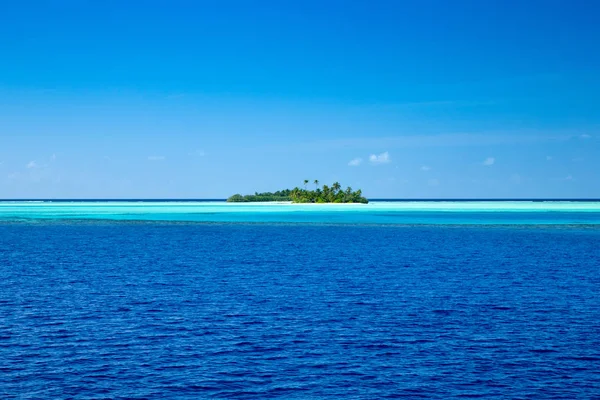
548, 158
355, 162
156, 158
489, 161
568, 178
53, 157
382, 158
425, 168
585, 136
31, 164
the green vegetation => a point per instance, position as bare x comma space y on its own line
333, 194
281, 195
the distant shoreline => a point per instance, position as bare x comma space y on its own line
206, 200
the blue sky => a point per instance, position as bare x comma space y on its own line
199, 99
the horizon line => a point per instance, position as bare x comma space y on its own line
190, 199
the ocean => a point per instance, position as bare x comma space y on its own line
189, 300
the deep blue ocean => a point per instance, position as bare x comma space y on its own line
150, 310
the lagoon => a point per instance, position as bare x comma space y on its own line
376, 212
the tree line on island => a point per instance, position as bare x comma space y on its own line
326, 194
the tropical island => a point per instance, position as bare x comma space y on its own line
326, 194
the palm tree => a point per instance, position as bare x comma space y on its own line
357, 195
316, 183
336, 186
325, 193
294, 193
305, 183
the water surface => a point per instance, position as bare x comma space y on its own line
399, 212
112, 306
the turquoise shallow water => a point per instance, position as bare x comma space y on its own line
383, 212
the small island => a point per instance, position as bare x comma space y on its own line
326, 194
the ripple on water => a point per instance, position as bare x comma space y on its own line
157, 310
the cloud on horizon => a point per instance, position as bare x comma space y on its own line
489, 161
382, 158
425, 168
355, 162
31, 164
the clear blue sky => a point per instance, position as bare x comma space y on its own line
199, 99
